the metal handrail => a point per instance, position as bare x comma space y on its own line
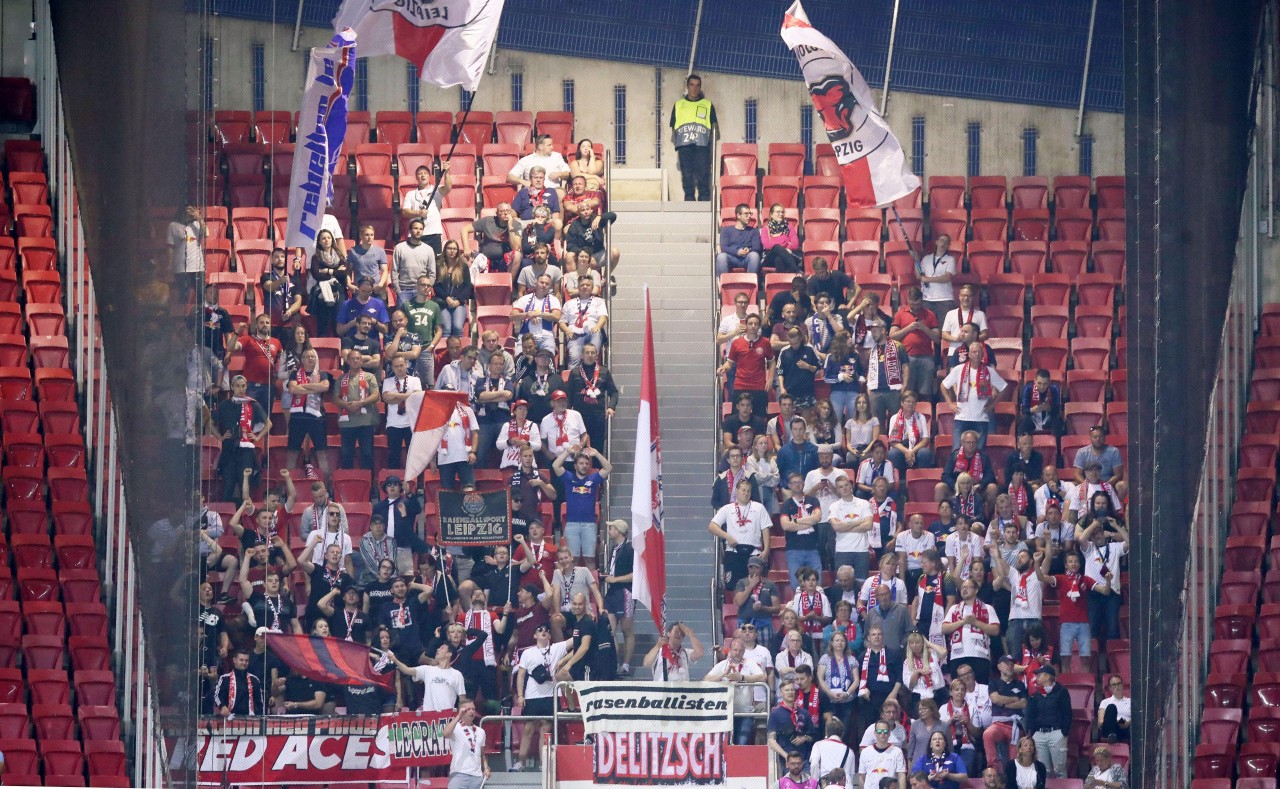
606, 291
717, 556
508, 737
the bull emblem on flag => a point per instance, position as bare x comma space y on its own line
835, 102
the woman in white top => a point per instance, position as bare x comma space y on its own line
860, 431
922, 671
762, 465
467, 766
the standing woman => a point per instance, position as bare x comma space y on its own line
922, 671
329, 283
452, 290
861, 431
842, 371
838, 678
762, 465
287, 367
780, 243
923, 728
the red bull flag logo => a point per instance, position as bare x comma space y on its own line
872, 165
448, 40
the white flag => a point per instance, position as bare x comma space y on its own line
872, 164
649, 580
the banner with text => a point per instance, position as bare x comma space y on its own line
297, 750
645, 762
475, 518
677, 707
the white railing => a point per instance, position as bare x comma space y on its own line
137, 708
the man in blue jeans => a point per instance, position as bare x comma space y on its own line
739, 244
582, 488
800, 517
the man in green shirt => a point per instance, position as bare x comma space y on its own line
424, 321
692, 119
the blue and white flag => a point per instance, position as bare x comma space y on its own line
322, 126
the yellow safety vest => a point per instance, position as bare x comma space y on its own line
693, 122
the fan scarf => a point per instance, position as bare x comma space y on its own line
886, 355
402, 384
959, 734
966, 505
670, 660
481, 620
887, 511
233, 679
1021, 598
308, 403
925, 672
931, 607
562, 437
972, 466
905, 429
809, 604
1032, 661
518, 434
1082, 491
1020, 499
874, 582
811, 702
362, 389
882, 673
246, 423
980, 613
982, 387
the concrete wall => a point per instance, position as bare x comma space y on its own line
779, 101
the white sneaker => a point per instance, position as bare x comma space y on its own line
517, 766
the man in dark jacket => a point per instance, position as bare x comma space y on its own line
1049, 721
587, 232
739, 244
593, 394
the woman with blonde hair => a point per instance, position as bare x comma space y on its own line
762, 465
922, 670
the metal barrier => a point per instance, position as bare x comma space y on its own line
509, 745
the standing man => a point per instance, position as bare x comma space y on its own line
917, 329
186, 250
935, 272
411, 259
260, 351
421, 204
751, 360
692, 119
593, 394
397, 391
974, 387
424, 321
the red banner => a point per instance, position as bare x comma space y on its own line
304, 750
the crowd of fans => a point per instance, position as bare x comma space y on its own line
903, 626
489, 627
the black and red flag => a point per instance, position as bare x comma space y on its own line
329, 660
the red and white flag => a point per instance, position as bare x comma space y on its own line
448, 40
649, 582
872, 165
437, 407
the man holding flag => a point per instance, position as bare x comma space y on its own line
872, 164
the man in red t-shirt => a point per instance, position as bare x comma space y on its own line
916, 327
751, 359
1073, 615
260, 351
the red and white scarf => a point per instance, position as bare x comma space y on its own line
925, 672
1020, 596
1018, 495
481, 620
969, 465
811, 702
882, 673
671, 660
809, 604
246, 423
983, 385
930, 587
959, 734
967, 505
1082, 491
887, 355
233, 689
980, 613
906, 429
306, 403
562, 435
362, 389
1032, 662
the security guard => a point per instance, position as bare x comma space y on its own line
692, 119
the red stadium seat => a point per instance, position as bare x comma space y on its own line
946, 191
53, 721
20, 759
250, 224
48, 686
1234, 621
1263, 725
733, 283
879, 284
63, 760
1108, 258
786, 159
821, 224
1079, 417
863, 224
96, 688
232, 126
987, 191
1251, 783
907, 223
45, 318
1006, 289
29, 187
1245, 553
1264, 690
43, 652
435, 128
358, 126
1110, 190
899, 262
1027, 257
1071, 191
25, 450
45, 619
825, 162
72, 517
1050, 321
954, 222
80, 586
821, 192
1111, 224
556, 123
106, 759
88, 652
860, 258
1258, 760
1096, 323
1005, 321
738, 158
1262, 418
1051, 290
351, 485
1029, 191
985, 258
59, 418
87, 619
478, 128
780, 189
273, 126
738, 189
1008, 352
14, 723
1096, 290
1224, 690
33, 219
38, 254
1090, 354
1074, 224
44, 287
1086, 385
1049, 354
1031, 224
99, 723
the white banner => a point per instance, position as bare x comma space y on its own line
322, 124
701, 707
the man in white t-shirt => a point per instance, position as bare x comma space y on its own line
415, 204
733, 324
1052, 488
739, 670
543, 156
910, 546
967, 312
963, 546
821, 484
186, 247
974, 387
747, 634
537, 313
1025, 581
442, 684
832, 754
935, 272
582, 321
1102, 544
744, 526
535, 686
670, 659
852, 520
881, 759
467, 766
402, 410
969, 626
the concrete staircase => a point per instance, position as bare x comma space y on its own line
668, 247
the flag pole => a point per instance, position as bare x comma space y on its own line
466, 113
907, 238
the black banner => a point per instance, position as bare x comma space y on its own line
477, 518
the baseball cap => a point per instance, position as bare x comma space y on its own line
392, 480
559, 394
262, 631
755, 561
1006, 659
1047, 669
524, 403
544, 352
